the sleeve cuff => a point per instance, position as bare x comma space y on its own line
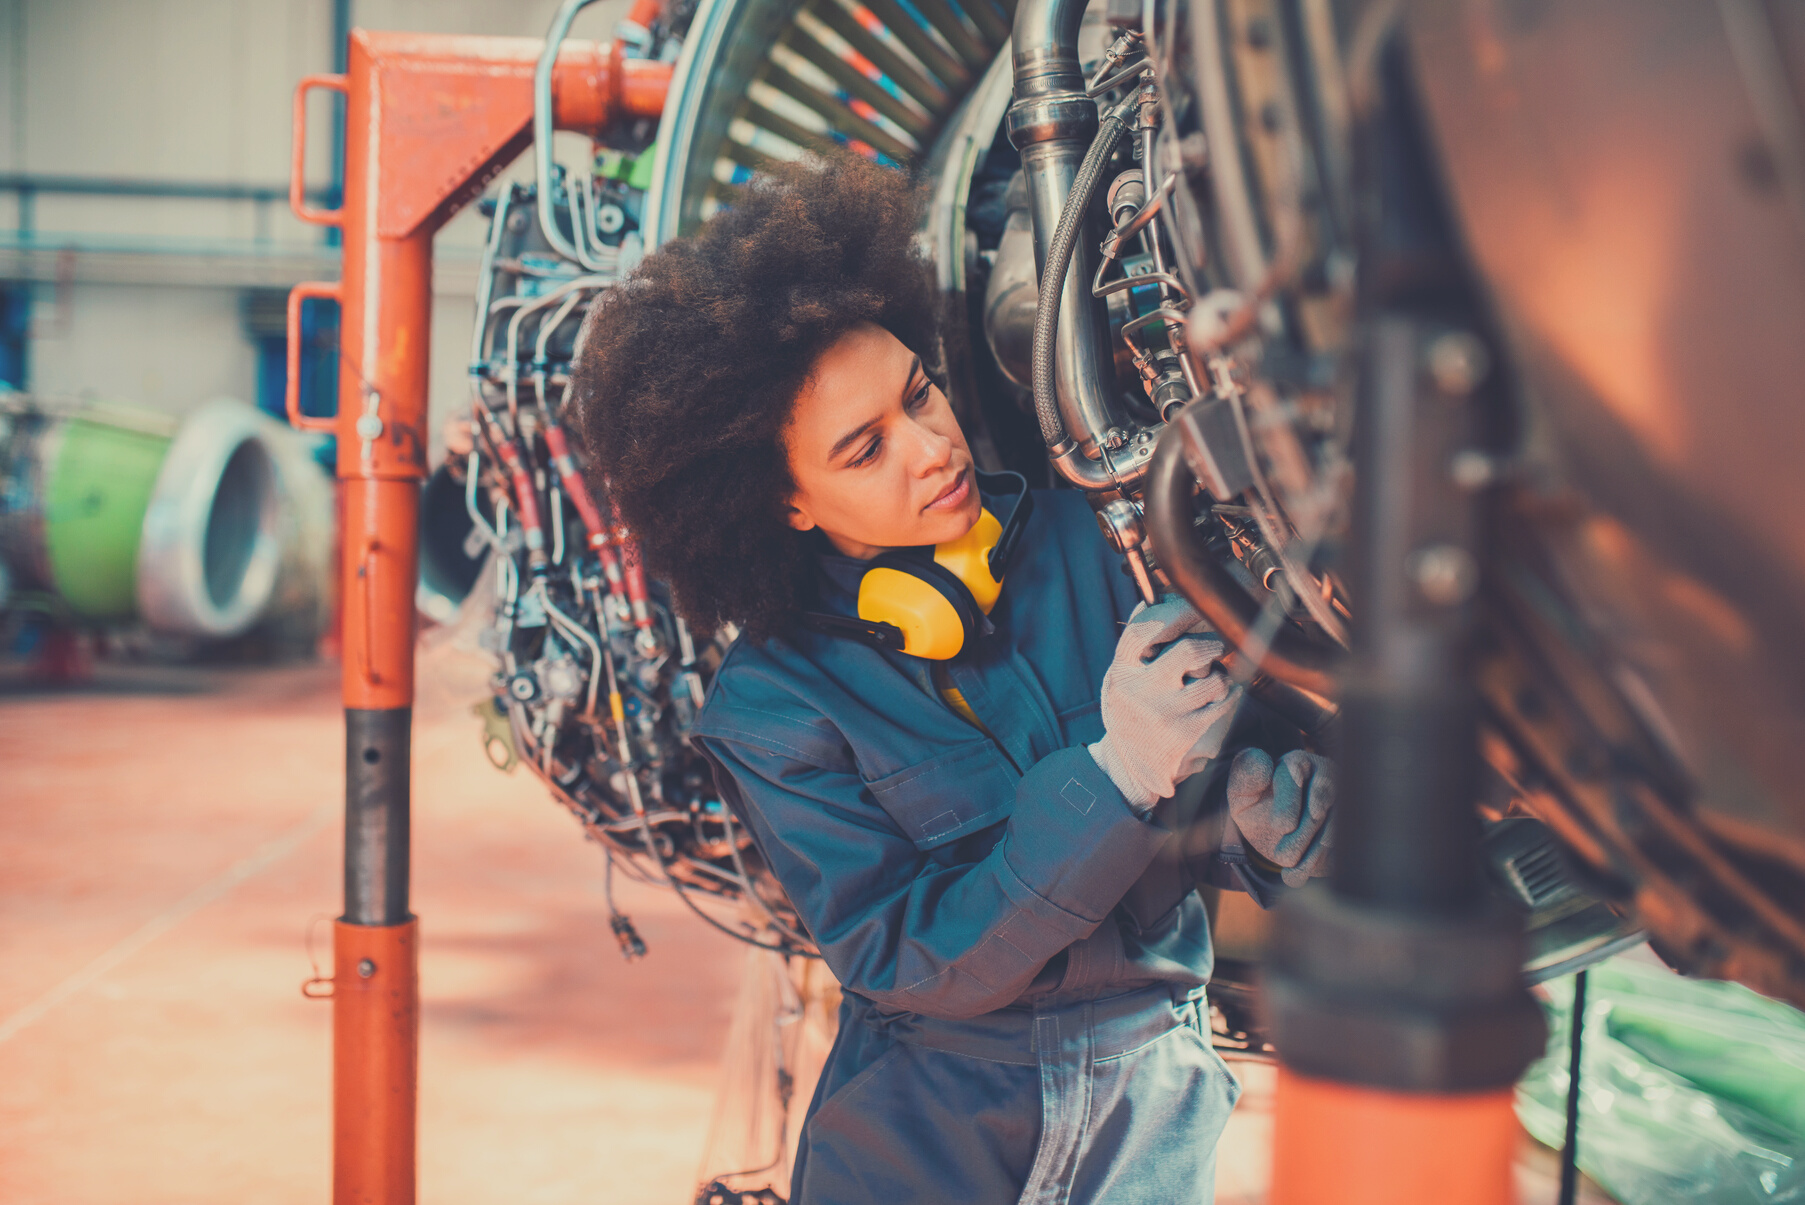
1074, 840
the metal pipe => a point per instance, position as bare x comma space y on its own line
485, 277
1054, 125
376, 815
127, 186
1200, 577
542, 136
1064, 408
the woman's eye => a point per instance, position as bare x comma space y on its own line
868, 455
921, 395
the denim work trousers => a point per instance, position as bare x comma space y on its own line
1117, 1101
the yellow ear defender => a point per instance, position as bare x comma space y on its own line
930, 602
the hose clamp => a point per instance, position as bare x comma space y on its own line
1046, 118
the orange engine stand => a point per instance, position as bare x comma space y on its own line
1353, 1145
429, 121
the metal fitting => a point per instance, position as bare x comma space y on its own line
1445, 574
1458, 363
1472, 470
1127, 193
1120, 522
1071, 116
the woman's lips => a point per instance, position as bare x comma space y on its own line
954, 495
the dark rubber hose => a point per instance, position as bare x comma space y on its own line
1212, 589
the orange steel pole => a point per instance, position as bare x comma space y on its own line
429, 121
1353, 1145
1396, 990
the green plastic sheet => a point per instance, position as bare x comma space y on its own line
1692, 1092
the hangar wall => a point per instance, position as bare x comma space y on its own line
163, 300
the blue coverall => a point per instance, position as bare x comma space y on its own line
1012, 1030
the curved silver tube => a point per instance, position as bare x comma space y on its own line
542, 139
1052, 123
485, 275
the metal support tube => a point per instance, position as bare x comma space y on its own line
1411, 759
376, 815
1396, 994
375, 1062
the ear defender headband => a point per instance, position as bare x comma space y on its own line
930, 602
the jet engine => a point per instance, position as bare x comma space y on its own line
1440, 381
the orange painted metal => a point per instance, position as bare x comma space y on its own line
329, 290
644, 12
450, 112
375, 1062
594, 86
429, 121
297, 168
378, 577
1343, 1144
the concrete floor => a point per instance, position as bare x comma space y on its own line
170, 835
171, 838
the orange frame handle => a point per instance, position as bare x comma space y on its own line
297, 168
308, 288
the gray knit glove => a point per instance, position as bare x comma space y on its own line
1167, 706
1284, 812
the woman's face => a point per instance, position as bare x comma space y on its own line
877, 456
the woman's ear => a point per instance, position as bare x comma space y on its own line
799, 518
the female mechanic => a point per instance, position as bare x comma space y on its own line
957, 785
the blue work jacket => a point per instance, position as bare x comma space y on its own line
980, 895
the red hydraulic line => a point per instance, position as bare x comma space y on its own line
526, 497
576, 488
578, 491
637, 596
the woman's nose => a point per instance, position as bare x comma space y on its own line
932, 450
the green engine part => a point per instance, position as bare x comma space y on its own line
97, 490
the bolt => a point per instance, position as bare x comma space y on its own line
1458, 363
1473, 470
1446, 574
369, 428
365, 969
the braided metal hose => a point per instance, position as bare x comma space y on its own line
1059, 259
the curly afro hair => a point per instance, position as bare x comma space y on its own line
687, 373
